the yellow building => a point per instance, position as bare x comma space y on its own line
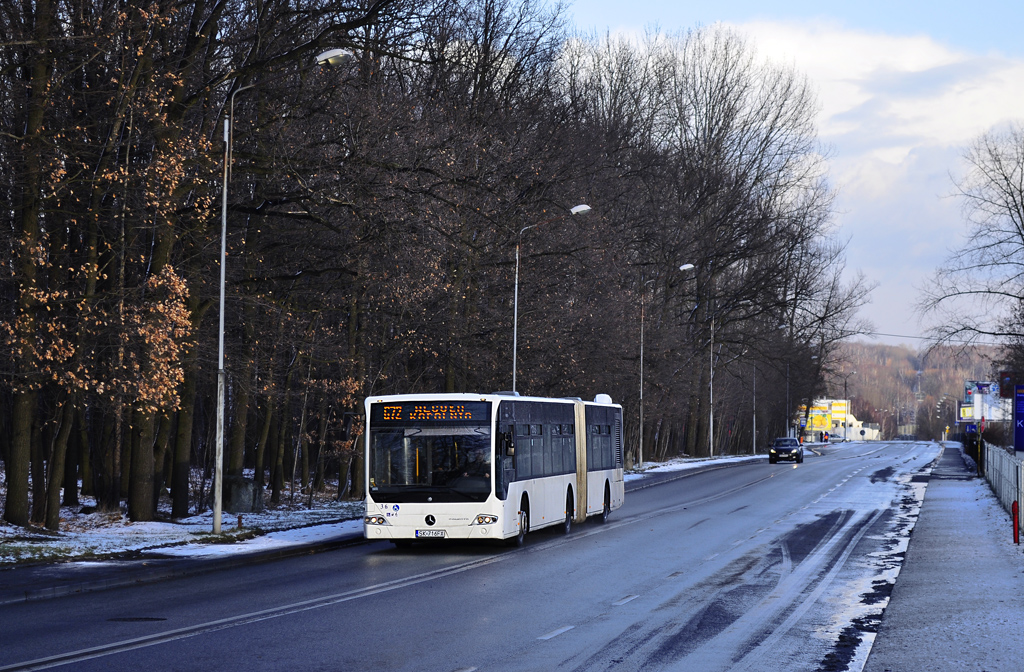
833, 416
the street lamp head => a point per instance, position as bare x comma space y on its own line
685, 267
581, 209
334, 57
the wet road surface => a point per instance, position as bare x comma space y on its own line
749, 567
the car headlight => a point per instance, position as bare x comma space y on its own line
772, 450
485, 519
376, 520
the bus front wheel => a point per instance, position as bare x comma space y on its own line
524, 523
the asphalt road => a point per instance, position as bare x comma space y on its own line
752, 567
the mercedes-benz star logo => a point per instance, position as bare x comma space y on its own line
430, 520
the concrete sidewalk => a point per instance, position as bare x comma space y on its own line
958, 601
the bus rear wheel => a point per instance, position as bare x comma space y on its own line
568, 514
607, 510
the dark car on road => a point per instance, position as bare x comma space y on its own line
785, 448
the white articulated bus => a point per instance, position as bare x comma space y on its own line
491, 466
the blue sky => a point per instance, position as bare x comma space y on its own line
903, 88
980, 26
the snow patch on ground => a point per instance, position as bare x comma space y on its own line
684, 464
100, 536
269, 542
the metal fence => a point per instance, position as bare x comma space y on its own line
1004, 473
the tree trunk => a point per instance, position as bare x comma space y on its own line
304, 465
344, 471
242, 386
261, 447
125, 436
5, 435
183, 441
277, 477
301, 444
272, 446
72, 461
692, 424
105, 465
16, 509
163, 442
240, 420
358, 469
284, 421
85, 452
38, 476
180, 471
321, 452
16, 503
57, 458
140, 485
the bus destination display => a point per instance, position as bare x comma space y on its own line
430, 411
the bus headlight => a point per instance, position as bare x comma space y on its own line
376, 520
486, 519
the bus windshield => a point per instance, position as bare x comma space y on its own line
436, 463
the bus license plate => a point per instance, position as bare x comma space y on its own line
430, 533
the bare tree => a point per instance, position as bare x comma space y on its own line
978, 291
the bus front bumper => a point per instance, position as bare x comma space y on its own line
403, 532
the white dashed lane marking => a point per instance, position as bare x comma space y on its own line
556, 633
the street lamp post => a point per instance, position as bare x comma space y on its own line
754, 387
643, 288
711, 385
846, 400
581, 209
711, 393
789, 418
640, 447
330, 57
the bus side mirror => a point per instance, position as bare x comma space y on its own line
509, 444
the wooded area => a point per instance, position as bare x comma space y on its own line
373, 215
896, 385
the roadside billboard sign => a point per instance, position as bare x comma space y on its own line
1018, 417
820, 417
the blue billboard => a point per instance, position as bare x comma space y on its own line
1018, 417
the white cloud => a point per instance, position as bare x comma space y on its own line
896, 110
899, 86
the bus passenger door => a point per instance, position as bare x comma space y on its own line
581, 462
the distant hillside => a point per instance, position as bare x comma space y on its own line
889, 384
